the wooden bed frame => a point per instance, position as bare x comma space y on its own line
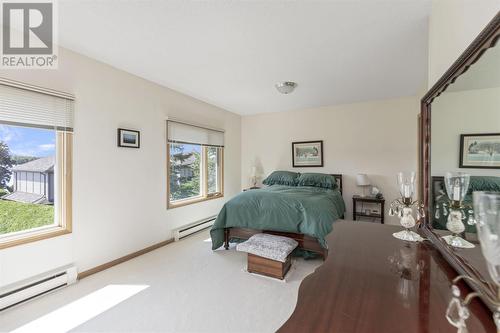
305, 242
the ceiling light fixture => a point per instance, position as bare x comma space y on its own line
286, 87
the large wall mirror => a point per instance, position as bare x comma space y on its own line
461, 155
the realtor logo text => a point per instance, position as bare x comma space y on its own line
28, 33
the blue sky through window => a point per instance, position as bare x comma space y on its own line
192, 148
188, 149
27, 141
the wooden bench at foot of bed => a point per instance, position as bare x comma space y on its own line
305, 242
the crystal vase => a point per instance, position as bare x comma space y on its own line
487, 214
407, 221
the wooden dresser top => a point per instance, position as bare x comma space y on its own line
370, 283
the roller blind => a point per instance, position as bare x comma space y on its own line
20, 106
179, 132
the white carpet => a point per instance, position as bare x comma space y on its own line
182, 287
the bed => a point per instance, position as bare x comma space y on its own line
303, 213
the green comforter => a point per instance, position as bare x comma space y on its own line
305, 210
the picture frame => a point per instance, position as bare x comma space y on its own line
307, 154
480, 151
129, 138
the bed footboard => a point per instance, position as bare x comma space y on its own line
305, 242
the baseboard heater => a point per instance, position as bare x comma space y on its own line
26, 290
190, 229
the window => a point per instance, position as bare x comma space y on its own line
185, 171
35, 164
214, 177
195, 164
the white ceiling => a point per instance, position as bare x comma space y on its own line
231, 53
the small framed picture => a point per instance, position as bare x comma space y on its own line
129, 138
307, 154
481, 151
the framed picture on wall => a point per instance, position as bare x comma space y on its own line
481, 151
129, 138
307, 154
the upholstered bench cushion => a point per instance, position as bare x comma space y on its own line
268, 246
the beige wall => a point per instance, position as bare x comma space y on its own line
453, 25
378, 138
119, 194
462, 112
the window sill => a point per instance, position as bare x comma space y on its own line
28, 236
182, 203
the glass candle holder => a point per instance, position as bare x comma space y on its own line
406, 184
487, 215
457, 184
403, 207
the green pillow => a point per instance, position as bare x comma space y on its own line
484, 183
318, 180
281, 178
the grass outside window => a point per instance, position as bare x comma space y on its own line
22, 222
17, 216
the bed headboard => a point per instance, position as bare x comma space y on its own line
438, 188
338, 179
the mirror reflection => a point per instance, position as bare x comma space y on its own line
465, 150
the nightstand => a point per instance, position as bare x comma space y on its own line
358, 209
251, 188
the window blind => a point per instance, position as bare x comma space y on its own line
24, 106
178, 132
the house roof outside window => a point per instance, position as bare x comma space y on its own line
44, 164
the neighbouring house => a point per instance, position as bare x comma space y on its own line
33, 182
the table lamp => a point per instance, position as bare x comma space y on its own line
254, 174
363, 181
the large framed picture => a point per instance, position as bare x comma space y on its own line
480, 151
129, 138
307, 154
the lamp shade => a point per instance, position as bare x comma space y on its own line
362, 179
253, 172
